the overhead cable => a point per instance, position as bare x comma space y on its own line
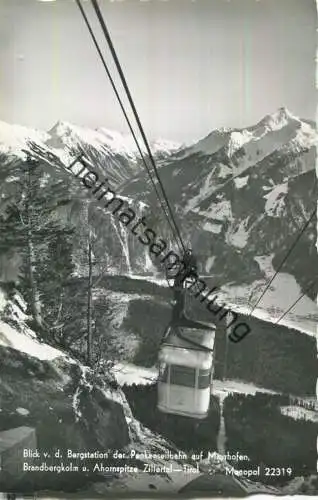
124, 112
296, 302
291, 248
134, 110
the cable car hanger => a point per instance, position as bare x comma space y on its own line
186, 366
179, 318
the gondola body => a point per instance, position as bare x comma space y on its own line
186, 369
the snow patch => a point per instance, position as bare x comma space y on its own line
204, 192
76, 403
275, 204
148, 264
221, 211
212, 228
241, 181
237, 140
224, 172
9, 337
238, 236
3, 300
265, 264
83, 383
22, 411
209, 263
150, 279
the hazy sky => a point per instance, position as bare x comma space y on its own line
192, 65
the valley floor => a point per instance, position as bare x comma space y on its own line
278, 298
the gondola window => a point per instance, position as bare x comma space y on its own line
182, 375
204, 379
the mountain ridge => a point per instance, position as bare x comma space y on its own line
272, 121
243, 201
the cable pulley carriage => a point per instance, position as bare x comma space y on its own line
186, 356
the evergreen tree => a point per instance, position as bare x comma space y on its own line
57, 288
28, 227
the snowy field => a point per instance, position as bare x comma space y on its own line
9, 337
24, 341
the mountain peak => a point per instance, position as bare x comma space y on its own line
283, 112
60, 125
283, 109
279, 119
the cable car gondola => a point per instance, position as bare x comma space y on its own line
185, 361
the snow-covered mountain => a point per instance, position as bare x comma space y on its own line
244, 193
107, 141
116, 152
15, 138
259, 140
240, 195
200, 169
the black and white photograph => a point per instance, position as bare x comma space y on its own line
158, 249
